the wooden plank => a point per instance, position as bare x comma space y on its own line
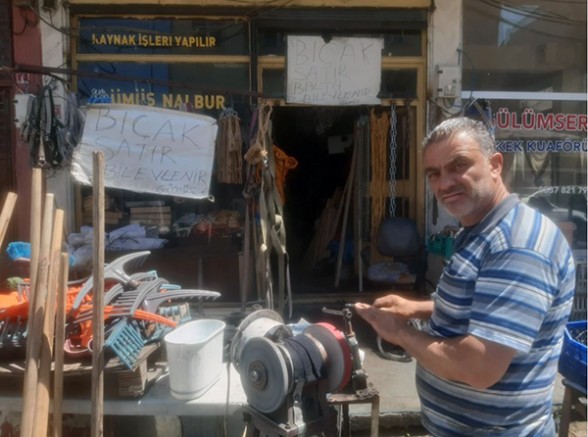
35, 325
44, 383
59, 341
97, 416
260, 3
7, 210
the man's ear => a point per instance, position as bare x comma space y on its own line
496, 162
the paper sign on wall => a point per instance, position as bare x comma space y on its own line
343, 71
148, 150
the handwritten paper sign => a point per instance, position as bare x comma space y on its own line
343, 71
148, 150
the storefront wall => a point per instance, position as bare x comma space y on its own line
228, 66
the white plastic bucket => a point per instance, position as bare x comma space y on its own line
195, 355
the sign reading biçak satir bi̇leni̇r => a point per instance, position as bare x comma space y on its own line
341, 71
148, 150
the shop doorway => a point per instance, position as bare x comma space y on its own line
321, 140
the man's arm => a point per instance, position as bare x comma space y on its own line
468, 359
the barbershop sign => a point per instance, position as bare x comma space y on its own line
539, 132
148, 150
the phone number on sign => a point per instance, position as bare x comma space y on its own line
564, 189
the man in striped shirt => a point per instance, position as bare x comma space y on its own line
487, 358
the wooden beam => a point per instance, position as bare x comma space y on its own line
260, 3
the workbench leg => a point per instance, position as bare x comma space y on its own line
375, 422
345, 425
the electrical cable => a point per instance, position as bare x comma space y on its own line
34, 69
555, 18
534, 31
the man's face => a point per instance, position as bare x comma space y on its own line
462, 178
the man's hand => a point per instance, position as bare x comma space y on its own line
405, 308
385, 322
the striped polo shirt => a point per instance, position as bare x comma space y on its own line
511, 281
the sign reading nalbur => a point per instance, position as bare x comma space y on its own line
151, 40
148, 150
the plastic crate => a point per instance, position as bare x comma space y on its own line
572, 362
440, 244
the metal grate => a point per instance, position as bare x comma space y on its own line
579, 307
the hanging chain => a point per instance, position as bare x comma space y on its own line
393, 146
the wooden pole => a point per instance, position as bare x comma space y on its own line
359, 128
6, 214
44, 384
244, 286
35, 325
59, 342
36, 213
349, 190
98, 296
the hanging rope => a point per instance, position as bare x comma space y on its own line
284, 164
379, 127
271, 239
228, 148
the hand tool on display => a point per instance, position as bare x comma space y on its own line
114, 271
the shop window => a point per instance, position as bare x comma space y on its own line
403, 43
396, 42
195, 87
544, 146
162, 36
274, 83
524, 46
398, 84
521, 54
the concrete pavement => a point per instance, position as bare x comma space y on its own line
399, 403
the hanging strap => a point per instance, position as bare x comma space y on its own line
273, 233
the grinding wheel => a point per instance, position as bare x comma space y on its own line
339, 356
260, 323
265, 374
